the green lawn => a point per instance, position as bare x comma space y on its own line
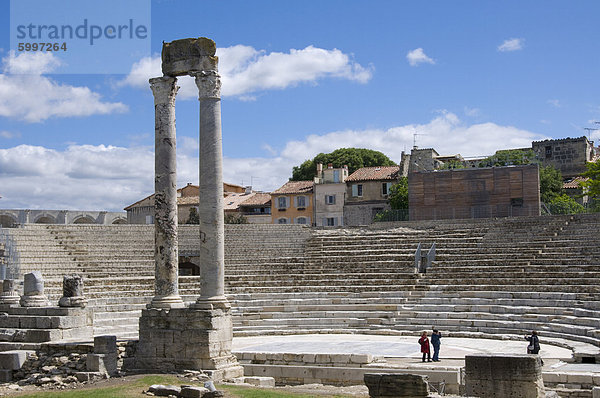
134, 388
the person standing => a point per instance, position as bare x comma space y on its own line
534, 344
424, 342
436, 337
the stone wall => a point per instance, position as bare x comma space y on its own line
356, 214
569, 155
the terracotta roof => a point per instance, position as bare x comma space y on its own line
257, 199
374, 173
187, 200
574, 183
292, 187
233, 200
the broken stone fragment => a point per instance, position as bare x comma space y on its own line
180, 57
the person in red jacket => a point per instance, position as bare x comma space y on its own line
424, 342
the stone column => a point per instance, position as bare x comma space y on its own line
72, 292
9, 296
166, 293
33, 291
212, 234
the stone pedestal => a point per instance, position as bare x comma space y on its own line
504, 376
400, 385
33, 291
72, 292
9, 296
181, 339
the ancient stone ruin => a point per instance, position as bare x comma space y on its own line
173, 337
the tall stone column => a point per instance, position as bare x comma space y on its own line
212, 230
166, 293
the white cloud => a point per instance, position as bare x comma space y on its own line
245, 70
8, 134
102, 177
511, 45
418, 56
32, 97
472, 112
555, 103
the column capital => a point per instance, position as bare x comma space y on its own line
164, 89
209, 84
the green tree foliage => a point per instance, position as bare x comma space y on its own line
452, 164
235, 218
592, 185
193, 218
398, 196
391, 215
564, 204
551, 183
355, 158
509, 157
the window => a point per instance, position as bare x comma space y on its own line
357, 190
301, 220
330, 199
149, 220
331, 221
282, 202
385, 188
282, 221
301, 201
548, 151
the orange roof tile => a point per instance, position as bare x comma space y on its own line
574, 183
375, 173
292, 187
257, 199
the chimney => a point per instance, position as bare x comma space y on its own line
248, 189
319, 169
330, 165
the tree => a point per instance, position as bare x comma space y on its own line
235, 218
508, 157
551, 184
452, 164
399, 194
193, 218
592, 185
564, 204
354, 158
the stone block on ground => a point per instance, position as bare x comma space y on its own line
400, 385
103, 363
192, 392
260, 381
13, 360
6, 375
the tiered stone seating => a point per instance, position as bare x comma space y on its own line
493, 276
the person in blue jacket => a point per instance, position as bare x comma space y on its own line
436, 337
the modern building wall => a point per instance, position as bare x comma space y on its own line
474, 193
293, 211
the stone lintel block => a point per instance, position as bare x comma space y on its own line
308, 358
361, 358
103, 363
192, 392
6, 375
580, 378
105, 344
40, 335
503, 367
20, 310
9, 321
13, 360
180, 57
260, 381
596, 392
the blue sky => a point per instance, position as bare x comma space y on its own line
300, 78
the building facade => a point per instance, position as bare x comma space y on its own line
569, 155
367, 191
330, 193
293, 203
257, 209
474, 193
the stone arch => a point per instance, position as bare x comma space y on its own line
45, 219
187, 267
8, 221
119, 221
84, 220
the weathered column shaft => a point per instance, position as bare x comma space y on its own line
165, 196
212, 235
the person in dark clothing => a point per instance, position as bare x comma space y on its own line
436, 337
424, 342
534, 344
